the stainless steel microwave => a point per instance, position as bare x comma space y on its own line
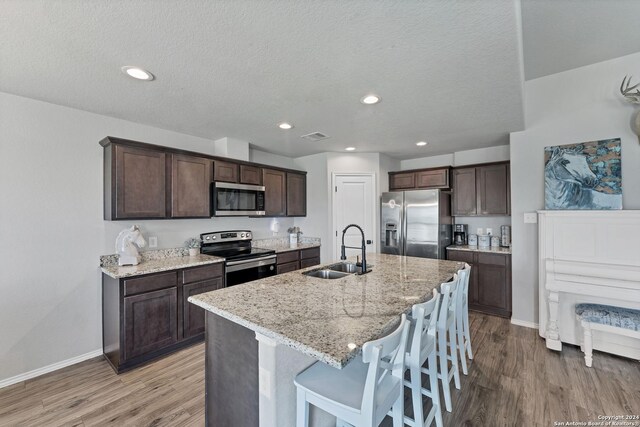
230, 199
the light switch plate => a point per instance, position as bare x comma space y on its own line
153, 241
530, 217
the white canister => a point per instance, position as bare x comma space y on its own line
495, 241
473, 240
484, 241
293, 240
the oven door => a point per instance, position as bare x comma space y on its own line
237, 199
251, 269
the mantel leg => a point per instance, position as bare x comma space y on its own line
553, 334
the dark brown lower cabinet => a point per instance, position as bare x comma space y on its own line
150, 322
145, 317
193, 316
490, 281
295, 260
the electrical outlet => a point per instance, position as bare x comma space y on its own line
530, 217
153, 241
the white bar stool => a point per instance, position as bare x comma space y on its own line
364, 391
447, 326
422, 348
462, 317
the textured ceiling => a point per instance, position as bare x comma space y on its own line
560, 35
448, 71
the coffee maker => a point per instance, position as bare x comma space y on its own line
460, 232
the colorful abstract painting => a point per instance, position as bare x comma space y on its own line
583, 176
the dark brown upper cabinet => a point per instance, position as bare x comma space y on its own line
435, 178
190, 182
296, 194
225, 171
134, 183
481, 190
145, 181
402, 181
275, 186
493, 190
423, 179
465, 196
250, 175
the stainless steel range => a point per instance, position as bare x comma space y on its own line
242, 262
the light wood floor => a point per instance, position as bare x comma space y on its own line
513, 381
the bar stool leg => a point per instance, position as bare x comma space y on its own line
454, 358
444, 369
302, 409
435, 390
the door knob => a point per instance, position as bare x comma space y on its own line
369, 242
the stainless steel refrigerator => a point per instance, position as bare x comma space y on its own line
416, 223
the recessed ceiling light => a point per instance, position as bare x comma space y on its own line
421, 143
285, 126
370, 99
350, 148
137, 73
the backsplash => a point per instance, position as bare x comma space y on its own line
475, 222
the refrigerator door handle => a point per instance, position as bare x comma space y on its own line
403, 219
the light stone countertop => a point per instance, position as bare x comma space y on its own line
330, 320
280, 244
149, 266
492, 250
285, 248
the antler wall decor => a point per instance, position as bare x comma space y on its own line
632, 94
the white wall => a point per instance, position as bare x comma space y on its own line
258, 156
459, 158
574, 106
52, 231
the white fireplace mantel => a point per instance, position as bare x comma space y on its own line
587, 256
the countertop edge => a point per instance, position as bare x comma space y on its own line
502, 251
299, 248
331, 361
160, 269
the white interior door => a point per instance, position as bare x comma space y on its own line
354, 202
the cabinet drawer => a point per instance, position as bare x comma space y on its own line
288, 267
461, 256
286, 257
150, 283
310, 253
492, 259
196, 274
309, 262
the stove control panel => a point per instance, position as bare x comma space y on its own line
225, 236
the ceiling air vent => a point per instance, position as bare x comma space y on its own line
315, 136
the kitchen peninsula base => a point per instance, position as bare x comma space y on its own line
249, 378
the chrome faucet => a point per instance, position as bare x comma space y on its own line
363, 248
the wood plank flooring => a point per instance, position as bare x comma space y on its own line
513, 381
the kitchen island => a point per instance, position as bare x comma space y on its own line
261, 334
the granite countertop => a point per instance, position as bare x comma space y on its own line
493, 250
330, 320
285, 248
148, 266
280, 244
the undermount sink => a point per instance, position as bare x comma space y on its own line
347, 267
326, 274
336, 271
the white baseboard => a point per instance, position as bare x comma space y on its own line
50, 368
524, 323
